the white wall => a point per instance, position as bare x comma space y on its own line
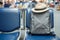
57, 22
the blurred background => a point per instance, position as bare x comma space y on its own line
25, 4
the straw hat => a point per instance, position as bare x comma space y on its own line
40, 7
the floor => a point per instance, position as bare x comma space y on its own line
22, 34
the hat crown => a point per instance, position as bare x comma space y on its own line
40, 6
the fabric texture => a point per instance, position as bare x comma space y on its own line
40, 23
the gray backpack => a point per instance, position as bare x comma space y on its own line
40, 23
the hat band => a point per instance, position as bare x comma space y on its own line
40, 9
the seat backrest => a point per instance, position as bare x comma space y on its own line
9, 19
28, 19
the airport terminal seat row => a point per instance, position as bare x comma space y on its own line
9, 23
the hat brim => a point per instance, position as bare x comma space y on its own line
37, 11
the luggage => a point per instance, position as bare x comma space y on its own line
41, 23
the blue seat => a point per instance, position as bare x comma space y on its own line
10, 36
28, 18
9, 19
9, 22
40, 37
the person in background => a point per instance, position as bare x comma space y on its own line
41, 0
33, 3
44, 1
1, 4
21, 0
19, 4
13, 5
26, 4
7, 3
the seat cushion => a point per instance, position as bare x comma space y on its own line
10, 36
9, 19
40, 37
